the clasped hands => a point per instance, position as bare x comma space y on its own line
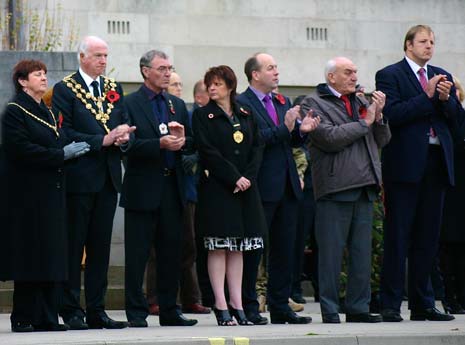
308, 124
242, 184
440, 84
176, 139
119, 135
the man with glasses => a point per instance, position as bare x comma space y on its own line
153, 194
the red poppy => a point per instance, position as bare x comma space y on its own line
280, 98
60, 120
112, 96
171, 107
362, 112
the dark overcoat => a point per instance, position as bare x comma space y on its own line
220, 212
34, 233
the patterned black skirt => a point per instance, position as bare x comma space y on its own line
233, 243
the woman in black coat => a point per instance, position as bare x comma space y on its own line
34, 231
229, 212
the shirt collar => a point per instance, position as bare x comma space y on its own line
335, 93
415, 67
152, 94
260, 94
87, 78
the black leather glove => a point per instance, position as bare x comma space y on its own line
189, 163
74, 150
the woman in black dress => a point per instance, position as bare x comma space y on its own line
229, 212
34, 233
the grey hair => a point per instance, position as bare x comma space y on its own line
84, 45
146, 59
330, 68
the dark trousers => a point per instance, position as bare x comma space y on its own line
304, 228
340, 224
189, 285
452, 263
36, 303
281, 218
161, 228
413, 219
90, 224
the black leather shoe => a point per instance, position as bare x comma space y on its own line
52, 327
453, 308
76, 323
288, 317
330, 318
431, 314
22, 327
138, 323
103, 321
257, 319
298, 299
391, 315
364, 317
175, 319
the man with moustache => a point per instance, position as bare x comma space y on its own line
422, 107
279, 186
92, 110
153, 192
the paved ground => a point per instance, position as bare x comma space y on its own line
207, 333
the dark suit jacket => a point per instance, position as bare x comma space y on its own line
278, 163
143, 180
411, 113
87, 174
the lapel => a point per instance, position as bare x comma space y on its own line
147, 110
258, 108
411, 76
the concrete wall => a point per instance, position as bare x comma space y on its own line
202, 33
58, 65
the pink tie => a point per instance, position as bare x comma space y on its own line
424, 83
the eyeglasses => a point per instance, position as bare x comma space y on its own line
163, 69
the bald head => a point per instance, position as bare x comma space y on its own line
262, 72
92, 55
175, 86
341, 74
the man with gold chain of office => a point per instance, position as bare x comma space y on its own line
91, 110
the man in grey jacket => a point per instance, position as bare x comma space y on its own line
346, 174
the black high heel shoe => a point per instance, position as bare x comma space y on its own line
223, 318
240, 317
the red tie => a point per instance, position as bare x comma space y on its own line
424, 83
346, 101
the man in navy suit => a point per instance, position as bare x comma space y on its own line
92, 110
279, 186
421, 107
153, 191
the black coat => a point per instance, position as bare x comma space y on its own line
143, 180
219, 212
87, 174
34, 234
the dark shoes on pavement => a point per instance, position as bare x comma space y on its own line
257, 319
431, 314
364, 317
76, 323
391, 315
22, 327
138, 323
175, 318
330, 318
103, 321
280, 317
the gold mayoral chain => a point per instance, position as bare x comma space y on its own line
35, 117
85, 97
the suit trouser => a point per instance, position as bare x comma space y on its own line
90, 224
413, 219
36, 303
161, 228
281, 218
341, 224
189, 285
